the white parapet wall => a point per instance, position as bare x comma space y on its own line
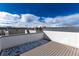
0, 45
11, 41
67, 38
32, 31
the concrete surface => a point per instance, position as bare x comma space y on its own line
67, 38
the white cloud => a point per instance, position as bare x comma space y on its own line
7, 19
23, 20
53, 20
70, 20
30, 20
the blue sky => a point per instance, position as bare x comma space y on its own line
41, 9
27, 14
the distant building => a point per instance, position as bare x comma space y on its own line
12, 31
6, 31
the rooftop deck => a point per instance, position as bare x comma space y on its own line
53, 49
62, 44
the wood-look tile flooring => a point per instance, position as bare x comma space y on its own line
53, 49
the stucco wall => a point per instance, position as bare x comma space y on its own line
67, 38
10, 41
